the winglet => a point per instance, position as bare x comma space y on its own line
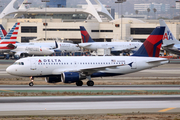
56, 44
151, 47
85, 36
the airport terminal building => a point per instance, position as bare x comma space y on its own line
64, 23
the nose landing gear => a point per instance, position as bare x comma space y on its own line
31, 83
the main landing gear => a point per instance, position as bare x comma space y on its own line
31, 83
79, 83
90, 82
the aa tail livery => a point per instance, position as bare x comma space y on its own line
3, 30
7, 43
74, 69
170, 43
115, 47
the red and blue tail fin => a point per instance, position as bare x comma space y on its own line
3, 30
1, 34
12, 35
85, 36
151, 47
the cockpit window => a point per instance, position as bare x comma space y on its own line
19, 63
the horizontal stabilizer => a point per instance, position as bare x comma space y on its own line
156, 60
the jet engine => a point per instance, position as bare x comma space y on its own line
71, 77
54, 79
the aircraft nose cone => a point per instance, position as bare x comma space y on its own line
52, 51
9, 70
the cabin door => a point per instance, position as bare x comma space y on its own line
33, 64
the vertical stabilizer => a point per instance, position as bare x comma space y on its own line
85, 35
151, 47
1, 34
11, 37
168, 38
3, 30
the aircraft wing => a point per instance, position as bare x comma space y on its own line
174, 51
88, 70
169, 45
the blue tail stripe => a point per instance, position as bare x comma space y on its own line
157, 31
141, 52
155, 46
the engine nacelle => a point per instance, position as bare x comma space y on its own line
70, 77
54, 79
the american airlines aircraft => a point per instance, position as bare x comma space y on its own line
116, 47
170, 43
74, 69
24, 49
43, 48
7, 42
3, 30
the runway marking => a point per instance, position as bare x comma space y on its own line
7, 90
167, 109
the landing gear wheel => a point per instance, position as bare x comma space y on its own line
90, 83
79, 83
31, 84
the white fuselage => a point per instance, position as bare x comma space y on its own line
33, 50
43, 48
45, 66
68, 47
114, 46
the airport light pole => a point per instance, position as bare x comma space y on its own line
120, 1
45, 24
172, 9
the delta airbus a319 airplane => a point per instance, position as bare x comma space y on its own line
115, 47
74, 69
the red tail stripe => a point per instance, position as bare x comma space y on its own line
15, 33
8, 42
13, 38
17, 28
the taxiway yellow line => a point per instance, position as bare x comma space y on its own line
167, 109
